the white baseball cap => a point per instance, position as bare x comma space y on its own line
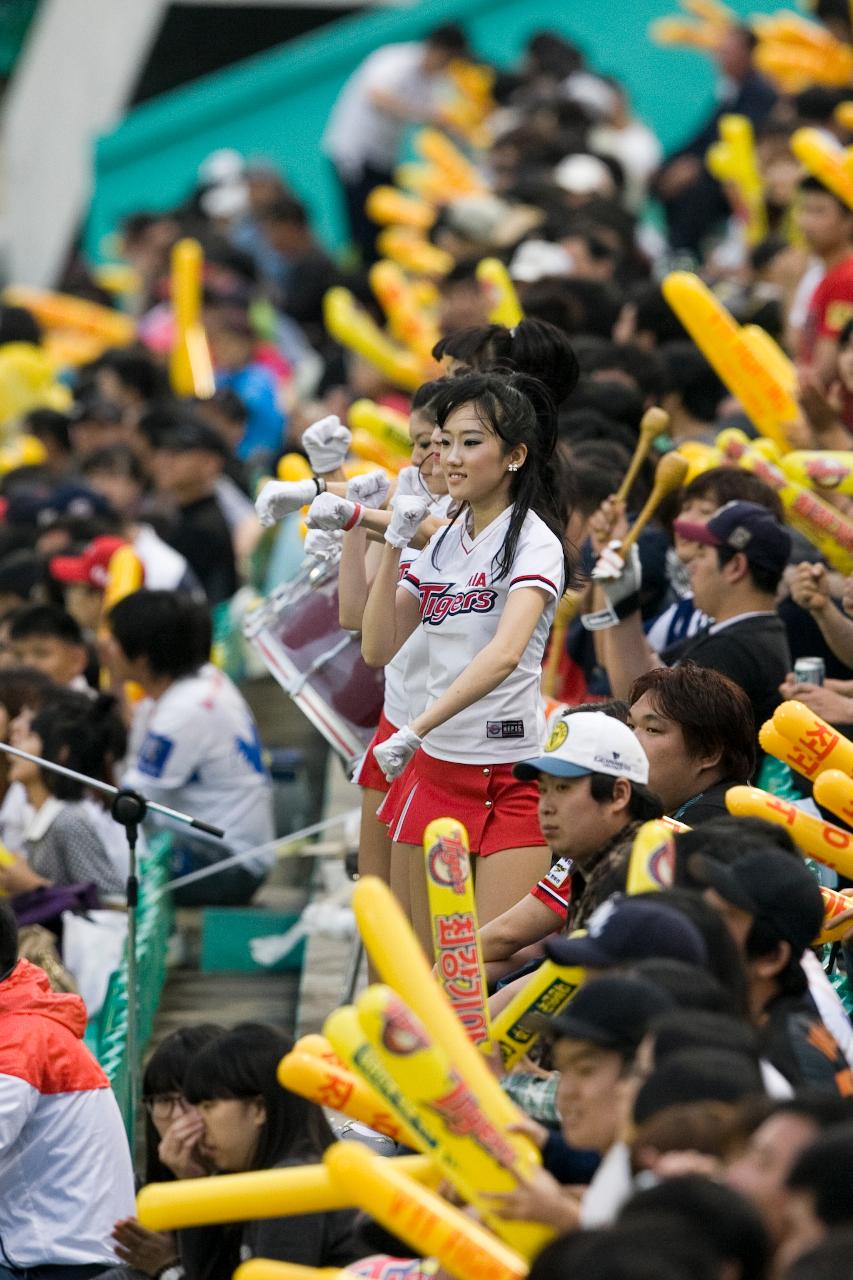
589, 742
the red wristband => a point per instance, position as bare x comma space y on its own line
354, 518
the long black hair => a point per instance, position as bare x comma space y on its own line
535, 347
82, 733
242, 1063
165, 1074
519, 410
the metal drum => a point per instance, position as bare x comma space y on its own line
298, 636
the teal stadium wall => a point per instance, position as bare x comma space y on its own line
276, 104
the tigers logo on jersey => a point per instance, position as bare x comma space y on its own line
437, 602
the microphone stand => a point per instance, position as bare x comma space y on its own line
128, 808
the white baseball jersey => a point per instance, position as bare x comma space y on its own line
196, 748
461, 603
406, 674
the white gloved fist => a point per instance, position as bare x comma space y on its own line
330, 512
327, 443
407, 515
370, 490
618, 578
279, 498
395, 752
410, 484
323, 546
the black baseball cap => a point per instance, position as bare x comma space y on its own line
624, 929
774, 887
613, 1012
746, 527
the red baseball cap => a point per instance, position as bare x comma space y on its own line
91, 566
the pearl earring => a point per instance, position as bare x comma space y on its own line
513, 466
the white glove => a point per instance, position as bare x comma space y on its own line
408, 514
330, 512
279, 498
619, 579
327, 443
370, 490
410, 484
323, 546
395, 752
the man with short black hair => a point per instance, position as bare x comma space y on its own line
819, 1191
65, 1169
741, 555
773, 907
194, 744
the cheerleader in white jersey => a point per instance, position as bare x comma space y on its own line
483, 592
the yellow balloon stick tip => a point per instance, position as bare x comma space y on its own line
818, 839
546, 993
652, 862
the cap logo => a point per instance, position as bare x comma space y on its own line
557, 736
598, 920
739, 538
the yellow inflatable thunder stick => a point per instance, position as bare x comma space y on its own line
546, 992
825, 160
63, 311
766, 400
476, 1154
652, 862
408, 322
387, 426
411, 251
808, 732
833, 790
830, 469
732, 161
400, 962
190, 365
796, 757
347, 1037
330, 1084
822, 524
460, 174
421, 1217
797, 58
835, 904
268, 1193
820, 840
351, 326
267, 1269
455, 936
391, 207
505, 307
703, 31
767, 350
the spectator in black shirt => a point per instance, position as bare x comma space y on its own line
735, 574
186, 461
310, 269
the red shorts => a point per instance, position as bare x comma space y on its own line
369, 775
498, 810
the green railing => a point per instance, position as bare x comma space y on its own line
107, 1034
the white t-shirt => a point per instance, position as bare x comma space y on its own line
359, 133
461, 603
196, 748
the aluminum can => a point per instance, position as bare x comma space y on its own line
809, 670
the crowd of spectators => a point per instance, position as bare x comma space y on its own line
692, 1104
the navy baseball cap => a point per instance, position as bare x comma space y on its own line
613, 1012
746, 527
774, 887
625, 929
